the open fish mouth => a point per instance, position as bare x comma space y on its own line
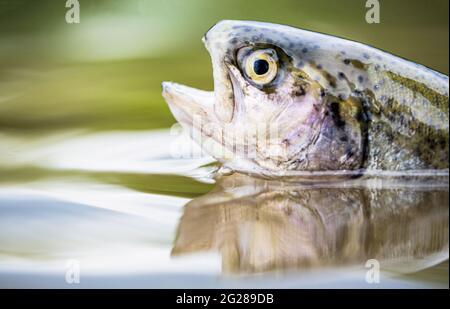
187, 103
194, 110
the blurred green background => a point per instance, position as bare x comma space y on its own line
105, 73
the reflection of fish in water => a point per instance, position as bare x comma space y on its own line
259, 225
335, 104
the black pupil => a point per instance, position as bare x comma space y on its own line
260, 67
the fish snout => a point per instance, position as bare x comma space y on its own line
188, 104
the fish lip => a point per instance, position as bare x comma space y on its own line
186, 102
194, 111
173, 93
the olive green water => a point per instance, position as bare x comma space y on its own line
90, 172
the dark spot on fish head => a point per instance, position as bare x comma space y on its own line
286, 143
389, 136
349, 152
336, 114
341, 97
299, 91
341, 75
331, 80
361, 116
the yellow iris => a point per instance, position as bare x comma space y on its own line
261, 66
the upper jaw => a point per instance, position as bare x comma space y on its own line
194, 110
217, 106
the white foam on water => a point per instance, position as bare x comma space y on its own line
132, 152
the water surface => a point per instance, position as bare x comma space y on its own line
134, 219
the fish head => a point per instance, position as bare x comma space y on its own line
272, 109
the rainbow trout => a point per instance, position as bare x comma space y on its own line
287, 100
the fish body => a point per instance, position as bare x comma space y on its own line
287, 100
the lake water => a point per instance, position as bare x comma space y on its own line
100, 204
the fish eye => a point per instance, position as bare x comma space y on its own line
261, 66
